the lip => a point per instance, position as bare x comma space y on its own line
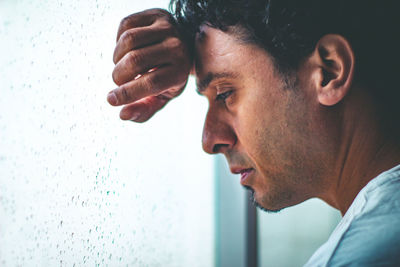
244, 173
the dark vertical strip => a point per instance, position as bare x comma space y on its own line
251, 232
230, 218
217, 210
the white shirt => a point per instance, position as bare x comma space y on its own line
369, 232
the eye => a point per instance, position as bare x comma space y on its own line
223, 96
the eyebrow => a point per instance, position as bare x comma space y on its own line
211, 76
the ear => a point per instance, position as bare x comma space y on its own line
334, 69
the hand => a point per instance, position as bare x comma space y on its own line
152, 64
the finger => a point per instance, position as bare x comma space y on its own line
150, 84
140, 61
144, 109
140, 19
139, 37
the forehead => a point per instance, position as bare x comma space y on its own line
214, 45
221, 54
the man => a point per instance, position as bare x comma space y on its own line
302, 103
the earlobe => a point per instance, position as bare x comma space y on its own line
334, 70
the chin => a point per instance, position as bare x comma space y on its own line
260, 203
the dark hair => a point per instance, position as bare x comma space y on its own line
289, 30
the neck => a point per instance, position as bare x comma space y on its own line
365, 152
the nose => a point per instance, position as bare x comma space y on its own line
218, 135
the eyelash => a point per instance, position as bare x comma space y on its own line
223, 96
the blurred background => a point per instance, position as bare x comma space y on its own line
79, 187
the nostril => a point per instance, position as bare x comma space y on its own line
217, 148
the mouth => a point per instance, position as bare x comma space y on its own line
244, 174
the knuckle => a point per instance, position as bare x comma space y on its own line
123, 94
174, 43
166, 26
150, 84
134, 58
115, 57
129, 36
118, 76
125, 22
159, 12
178, 49
115, 76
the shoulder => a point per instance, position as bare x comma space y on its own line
369, 243
373, 236
369, 233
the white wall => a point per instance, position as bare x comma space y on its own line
79, 187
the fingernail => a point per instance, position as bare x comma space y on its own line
126, 115
135, 116
112, 98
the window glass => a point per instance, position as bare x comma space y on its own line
78, 186
290, 237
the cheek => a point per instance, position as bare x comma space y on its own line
265, 134
249, 123
255, 128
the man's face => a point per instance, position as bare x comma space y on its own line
264, 128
